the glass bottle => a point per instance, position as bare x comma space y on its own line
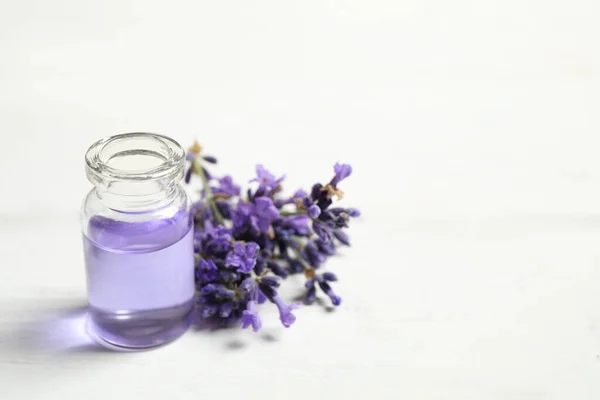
138, 241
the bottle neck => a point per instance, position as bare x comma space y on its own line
132, 197
135, 172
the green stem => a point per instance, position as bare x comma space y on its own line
208, 192
292, 213
297, 251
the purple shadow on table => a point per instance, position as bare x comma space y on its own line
63, 331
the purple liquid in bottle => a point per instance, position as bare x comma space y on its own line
140, 278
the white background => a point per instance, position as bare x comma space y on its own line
473, 130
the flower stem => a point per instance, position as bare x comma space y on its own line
299, 255
208, 192
292, 213
299, 242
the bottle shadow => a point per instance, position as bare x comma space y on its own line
58, 331
50, 331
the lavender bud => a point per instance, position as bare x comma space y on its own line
295, 266
315, 193
300, 193
224, 208
277, 269
188, 175
353, 212
329, 276
314, 211
335, 299
210, 310
342, 237
311, 295
225, 309
209, 288
270, 281
268, 291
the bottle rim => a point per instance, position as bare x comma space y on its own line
167, 156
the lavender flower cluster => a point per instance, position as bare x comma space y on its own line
245, 245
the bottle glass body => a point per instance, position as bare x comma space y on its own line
138, 241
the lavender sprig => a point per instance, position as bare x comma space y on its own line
246, 245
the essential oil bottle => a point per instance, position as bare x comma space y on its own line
138, 241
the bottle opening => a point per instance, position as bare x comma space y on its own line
136, 153
135, 157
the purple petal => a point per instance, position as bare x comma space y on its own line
310, 296
342, 237
233, 260
328, 276
239, 248
262, 204
260, 297
210, 310
285, 311
226, 309
342, 171
299, 223
263, 224
353, 212
245, 268
270, 281
251, 250
300, 193
315, 193
188, 175
314, 211
335, 299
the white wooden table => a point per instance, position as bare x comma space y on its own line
473, 129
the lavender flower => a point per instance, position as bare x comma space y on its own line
270, 281
353, 212
325, 247
342, 171
226, 309
314, 211
298, 223
277, 269
342, 237
227, 187
210, 310
188, 175
323, 282
246, 246
285, 311
265, 179
243, 257
335, 299
311, 294
250, 317
207, 271
249, 287
329, 276
300, 194
312, 255
264, 213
